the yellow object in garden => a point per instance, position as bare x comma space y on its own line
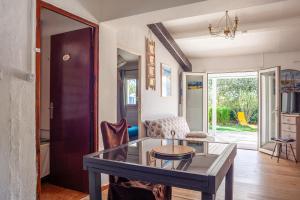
242, 119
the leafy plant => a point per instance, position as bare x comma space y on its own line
233, 96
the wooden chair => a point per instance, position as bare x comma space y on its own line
279, 142
120, 188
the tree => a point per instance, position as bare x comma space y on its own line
238, 94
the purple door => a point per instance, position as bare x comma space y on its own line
71, 96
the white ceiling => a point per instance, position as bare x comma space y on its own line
267, 28
53, 23
112, 9
129, 57
180, 12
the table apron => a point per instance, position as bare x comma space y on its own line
156, 178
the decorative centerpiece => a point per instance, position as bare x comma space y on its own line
172, 151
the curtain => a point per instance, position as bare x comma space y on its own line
121, 95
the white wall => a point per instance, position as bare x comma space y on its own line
153, 106
17, 102
254, 62
108, 75
132, 39
17, 116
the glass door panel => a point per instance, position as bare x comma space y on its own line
195, 100
269, 103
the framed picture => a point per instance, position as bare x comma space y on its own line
166, 80
195, 85
150, 64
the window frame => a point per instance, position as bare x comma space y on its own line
127, 91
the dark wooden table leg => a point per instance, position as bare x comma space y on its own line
207, 196
279, 152
229, 184
293, 153
274, 150
95, 185
286, 154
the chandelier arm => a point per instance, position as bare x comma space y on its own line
225, 27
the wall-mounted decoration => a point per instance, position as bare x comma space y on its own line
166, 80
150, 64
290, 80
194, 85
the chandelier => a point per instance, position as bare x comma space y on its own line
226, 27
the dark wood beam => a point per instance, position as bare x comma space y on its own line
167, 40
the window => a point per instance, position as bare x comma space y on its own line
131, 91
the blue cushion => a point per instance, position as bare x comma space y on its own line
133, 131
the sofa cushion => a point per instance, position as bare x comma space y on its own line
195, 134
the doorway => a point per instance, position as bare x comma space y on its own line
269, 108
67, 101
233, 108
128, 91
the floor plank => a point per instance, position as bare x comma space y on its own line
53, 192
256, 177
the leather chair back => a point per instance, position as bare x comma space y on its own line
114, 134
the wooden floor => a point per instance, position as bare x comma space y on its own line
52, 192
257, 177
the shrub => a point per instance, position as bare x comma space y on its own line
223, 115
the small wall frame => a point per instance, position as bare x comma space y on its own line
165, 80
150, 64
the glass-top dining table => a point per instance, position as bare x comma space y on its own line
201, 170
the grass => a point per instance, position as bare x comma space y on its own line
235, 128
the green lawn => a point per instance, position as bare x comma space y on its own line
236, 128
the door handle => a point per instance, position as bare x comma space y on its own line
51, 108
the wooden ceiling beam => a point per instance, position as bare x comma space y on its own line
169, 43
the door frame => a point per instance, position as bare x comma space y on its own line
139, 91
43, 5
277, 103
205, 96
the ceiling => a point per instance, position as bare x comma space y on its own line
267, 28
127, 60
53, 23
129, 57
112, 9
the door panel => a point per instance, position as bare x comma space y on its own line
195, 100
269, 108
71, 101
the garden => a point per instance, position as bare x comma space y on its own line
237, 104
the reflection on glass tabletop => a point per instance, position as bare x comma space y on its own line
140, 152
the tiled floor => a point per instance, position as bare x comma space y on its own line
244, 140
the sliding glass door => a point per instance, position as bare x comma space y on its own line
269, 108
194, 88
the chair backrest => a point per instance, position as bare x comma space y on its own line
114, 134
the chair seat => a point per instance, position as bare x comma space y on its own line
137, 190
283, 140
